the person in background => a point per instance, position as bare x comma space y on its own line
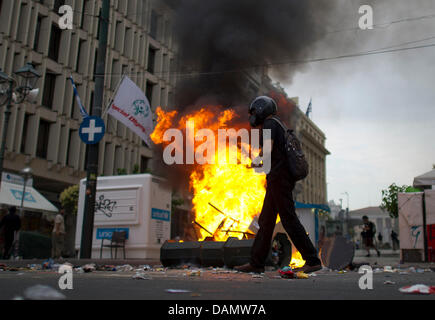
380, 237
395, 240
11, 223
58, 235
368, 233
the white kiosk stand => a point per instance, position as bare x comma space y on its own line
137, 204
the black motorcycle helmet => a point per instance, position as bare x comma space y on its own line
260, 109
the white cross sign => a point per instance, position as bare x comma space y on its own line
92, 130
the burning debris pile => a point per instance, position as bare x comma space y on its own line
226, 197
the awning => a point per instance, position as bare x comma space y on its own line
11, 195
427, 179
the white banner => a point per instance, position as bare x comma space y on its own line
131, 107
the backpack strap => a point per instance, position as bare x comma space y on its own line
280, 123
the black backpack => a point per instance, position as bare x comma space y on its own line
297, 164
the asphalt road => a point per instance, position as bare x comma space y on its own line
215, 285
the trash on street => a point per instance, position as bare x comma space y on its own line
418, 289
177, 291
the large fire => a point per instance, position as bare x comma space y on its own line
226, 197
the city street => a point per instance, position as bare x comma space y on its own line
221, 284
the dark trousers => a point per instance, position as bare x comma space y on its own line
9, 240
279, 199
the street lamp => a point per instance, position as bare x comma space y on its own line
13, 91
347, 212
27, 174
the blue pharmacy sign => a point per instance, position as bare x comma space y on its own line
92, 130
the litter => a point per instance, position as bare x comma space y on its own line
47, 264
286, 273
141, 276
89, 267
257, 276
302, 275
147, 267
177, 291
389, 269
196, 295
41, 292
124, 268
418, 289
378, 270
194, 273
389, 282
79, 270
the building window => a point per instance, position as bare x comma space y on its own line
53, 51
37, 33
42, 144
49, 86
143, 164
24, 135
58, 4
79, 54
151, 59
154, 24
149, 92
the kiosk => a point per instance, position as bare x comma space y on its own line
140, 205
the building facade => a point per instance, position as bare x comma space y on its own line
44, 135
313, 189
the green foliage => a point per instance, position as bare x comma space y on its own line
69, 198
176, 202
389, 199
122, 172
136, 169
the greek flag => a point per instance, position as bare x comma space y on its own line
310, 108
76, 94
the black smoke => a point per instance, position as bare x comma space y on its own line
220, 40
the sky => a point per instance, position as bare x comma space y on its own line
377, 111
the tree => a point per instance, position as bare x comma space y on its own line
69, 199
389, 199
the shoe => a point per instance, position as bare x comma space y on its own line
249, 268
308, 269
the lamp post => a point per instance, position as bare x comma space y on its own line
347, 212
27, 174
13, 91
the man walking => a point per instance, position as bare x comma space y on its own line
57, 239
368, 233
11, 223
278, 197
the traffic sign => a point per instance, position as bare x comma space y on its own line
92, 130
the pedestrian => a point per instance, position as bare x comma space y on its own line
380, 237
58, 235
278, 198
12, 224
395, 240
368, 234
